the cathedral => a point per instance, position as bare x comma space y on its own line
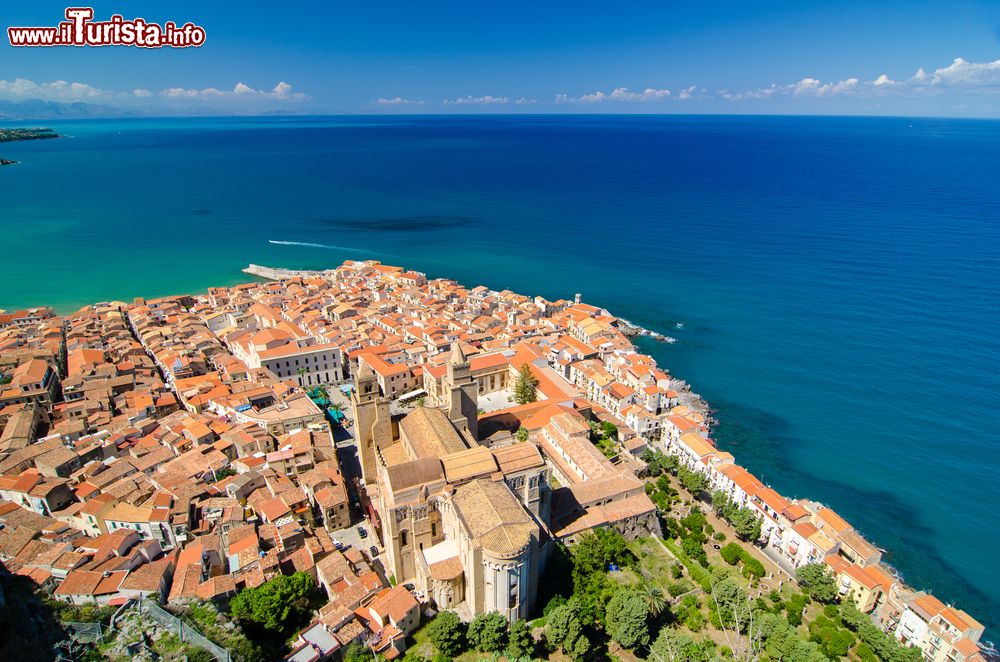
467, 523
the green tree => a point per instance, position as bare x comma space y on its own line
695, 551
873, 639
782, 642
653, 467
520, 643
794, 608
488, 632
526, 386
731, 553
694, 620
277, 605
745, 523
653, 596
522, 434
729, 606
752, 567
720, 501
447, 633
593, 555
626, 619
356, 652
678, 588
693, 482
674, 646
609, 430
818, 582
695, 523
663, 483
564, 629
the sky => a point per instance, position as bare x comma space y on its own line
937, 58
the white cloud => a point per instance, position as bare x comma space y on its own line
524, 101
477, 101
959, 76
398, 101
281, 91
963, 74
686, 93
813, 87
61, 90
761, 93
57, 90
617, 94
179, 92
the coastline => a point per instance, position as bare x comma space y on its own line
23, 135
683, 397
805, 421
686, 397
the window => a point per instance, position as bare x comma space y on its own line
402, 538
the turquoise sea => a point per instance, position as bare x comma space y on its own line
836, 279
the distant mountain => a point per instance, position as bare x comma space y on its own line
37, 109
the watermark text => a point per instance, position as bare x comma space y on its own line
80, 29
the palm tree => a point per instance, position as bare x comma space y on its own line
653, 595
301, 372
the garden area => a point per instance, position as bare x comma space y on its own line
703, 592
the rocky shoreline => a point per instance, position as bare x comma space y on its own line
631, 330
19, 135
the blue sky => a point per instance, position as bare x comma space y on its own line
916, 57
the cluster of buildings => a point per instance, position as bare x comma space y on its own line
797, 532
174, 447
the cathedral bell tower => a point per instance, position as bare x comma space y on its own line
463, 392
371, 418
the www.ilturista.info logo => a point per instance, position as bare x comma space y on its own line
81, 30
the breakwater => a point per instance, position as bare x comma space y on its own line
278, 273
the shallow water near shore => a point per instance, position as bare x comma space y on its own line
835, 278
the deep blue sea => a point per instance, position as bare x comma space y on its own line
836, 278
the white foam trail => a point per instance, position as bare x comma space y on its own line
312, 245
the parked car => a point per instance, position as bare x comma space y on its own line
362, 532
373, 550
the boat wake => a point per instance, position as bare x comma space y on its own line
312, 245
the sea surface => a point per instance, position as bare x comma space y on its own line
832, 282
